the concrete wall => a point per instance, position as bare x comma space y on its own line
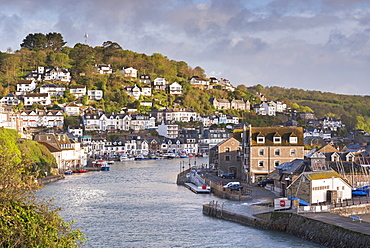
297, 225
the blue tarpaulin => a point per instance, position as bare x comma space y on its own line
301, 202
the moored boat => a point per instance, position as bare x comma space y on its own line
140, 157
80, 171
68, 172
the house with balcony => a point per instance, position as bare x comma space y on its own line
174, 114
72, 109
78, 90
26, 86
160, 84
142, 122
42, 118
58, 74
175, 89
199, 82
53, 89
36, 98
95, 95
168, 130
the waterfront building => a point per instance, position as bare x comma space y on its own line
68, 153
264, 148
226, 157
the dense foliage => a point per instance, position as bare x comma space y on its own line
50, 51
353, 110
26, 221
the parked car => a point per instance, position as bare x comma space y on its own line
233, 186
228, 175
264, 182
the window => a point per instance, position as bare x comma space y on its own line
261, 152
277, 152
227, 149
277, 139
293, 140
276, 163
293, 152
260, 163
260, 140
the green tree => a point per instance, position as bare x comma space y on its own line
37, 41
55, 41
25, 220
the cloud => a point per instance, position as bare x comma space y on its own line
309, 44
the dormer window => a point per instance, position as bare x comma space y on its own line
293, 140
260, 140
277, 140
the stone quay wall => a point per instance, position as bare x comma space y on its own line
297, 225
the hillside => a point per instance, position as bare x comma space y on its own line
50, 51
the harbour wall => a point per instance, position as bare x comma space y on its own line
297, 225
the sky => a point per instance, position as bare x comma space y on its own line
321, 45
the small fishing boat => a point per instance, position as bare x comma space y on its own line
68, 172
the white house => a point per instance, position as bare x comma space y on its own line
160, 84
25, 86
42, 118
77, 90
146, 91
95, 94
37, 98
195, 80
168, 130
175, 89
133, 91
320, 186
142, 122
175, 114
129, 72
57, 74
10, 99
53, 90
103, 69
72, 109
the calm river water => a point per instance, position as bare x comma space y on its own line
138, 204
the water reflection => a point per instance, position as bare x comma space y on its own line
138, 204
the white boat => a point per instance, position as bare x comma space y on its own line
125, 157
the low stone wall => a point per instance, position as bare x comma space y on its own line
49, 179
352, 210
297, 225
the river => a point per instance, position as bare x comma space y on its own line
138, 204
